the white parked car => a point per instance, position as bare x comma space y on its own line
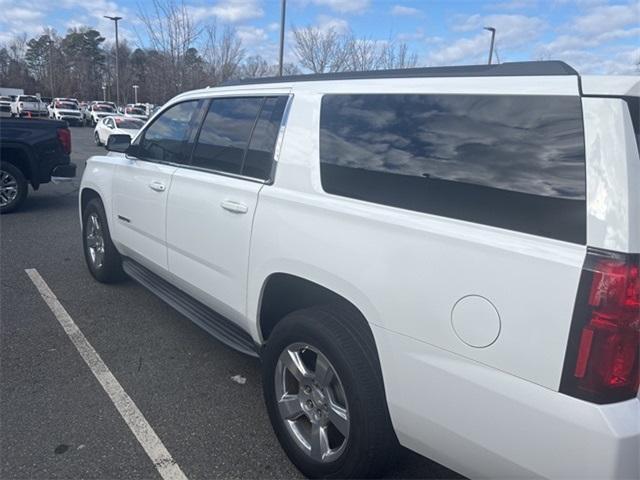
136, 112
443, 258
28, 106
97, 111
116, 125
5, 106
67, 110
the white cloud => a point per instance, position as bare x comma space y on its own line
326, 22
401, 10
231, 11
344, 6
252, 36
512, 32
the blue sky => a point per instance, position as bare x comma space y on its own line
595, 36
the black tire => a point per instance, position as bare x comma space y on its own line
347, 343
96, 138
11, 173
109, 270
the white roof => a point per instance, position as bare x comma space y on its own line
611, 85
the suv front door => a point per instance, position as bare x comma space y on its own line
213, 200
141, 185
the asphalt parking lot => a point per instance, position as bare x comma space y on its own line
56, 419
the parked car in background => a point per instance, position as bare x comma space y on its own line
67, 110
98, 111
118, 125
5, 106
446, 258
28, 106
136, 112
31, 153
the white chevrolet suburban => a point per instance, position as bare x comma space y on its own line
441, 258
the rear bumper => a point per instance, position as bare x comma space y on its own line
485, 423
64, 171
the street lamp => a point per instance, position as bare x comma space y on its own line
493, 38
115, 19
283, 8
50, 42
104, 92
135, 93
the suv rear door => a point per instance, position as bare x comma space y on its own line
141, 184
212, 200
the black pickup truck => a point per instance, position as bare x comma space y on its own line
31, 152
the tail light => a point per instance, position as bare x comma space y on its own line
603, 351
64, 135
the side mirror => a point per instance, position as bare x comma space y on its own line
119, 143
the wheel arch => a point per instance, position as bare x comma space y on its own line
21, 157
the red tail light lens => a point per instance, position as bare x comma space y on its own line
64, 135
604, 345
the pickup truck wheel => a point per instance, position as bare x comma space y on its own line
325, 396
102, 257
13, 187
96, 137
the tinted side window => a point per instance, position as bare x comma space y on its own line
509, 161
225, 133
165, 139
259, 158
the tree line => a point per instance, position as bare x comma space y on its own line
177, 54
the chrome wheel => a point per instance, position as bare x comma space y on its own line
8, 188
94, 239
312, 402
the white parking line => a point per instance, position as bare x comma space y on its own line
159, 455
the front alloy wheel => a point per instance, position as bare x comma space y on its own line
312, 402
94, 239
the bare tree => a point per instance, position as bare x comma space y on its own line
171, 31
256, 67
363, 54
223, 53
321, 50
397, 55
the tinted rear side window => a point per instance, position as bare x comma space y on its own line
509, 161
259, 159
225, 134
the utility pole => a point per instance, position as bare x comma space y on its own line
51, 66
115, 20
493, 39
283, 9
135, 93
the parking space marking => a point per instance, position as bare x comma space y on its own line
147, 437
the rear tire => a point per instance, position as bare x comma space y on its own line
337, 337
102, 257
13, 187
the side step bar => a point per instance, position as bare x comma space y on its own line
212, 322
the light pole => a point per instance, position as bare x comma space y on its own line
283, 9
135, 93
493, 39
104, 92
51, 65
115, 19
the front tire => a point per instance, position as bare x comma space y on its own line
325, 396
13, 187
102, 257
96, 137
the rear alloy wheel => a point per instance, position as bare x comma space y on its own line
13, 187
324, 393
312, 402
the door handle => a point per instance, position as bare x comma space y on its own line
157, 186
234, 207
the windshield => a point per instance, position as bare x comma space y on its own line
103, 108
66, 105
27, 98
129, 123
135, 111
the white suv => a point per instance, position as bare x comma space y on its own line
442, 258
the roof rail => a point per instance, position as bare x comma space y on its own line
512, 69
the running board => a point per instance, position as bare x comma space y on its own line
212, 322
